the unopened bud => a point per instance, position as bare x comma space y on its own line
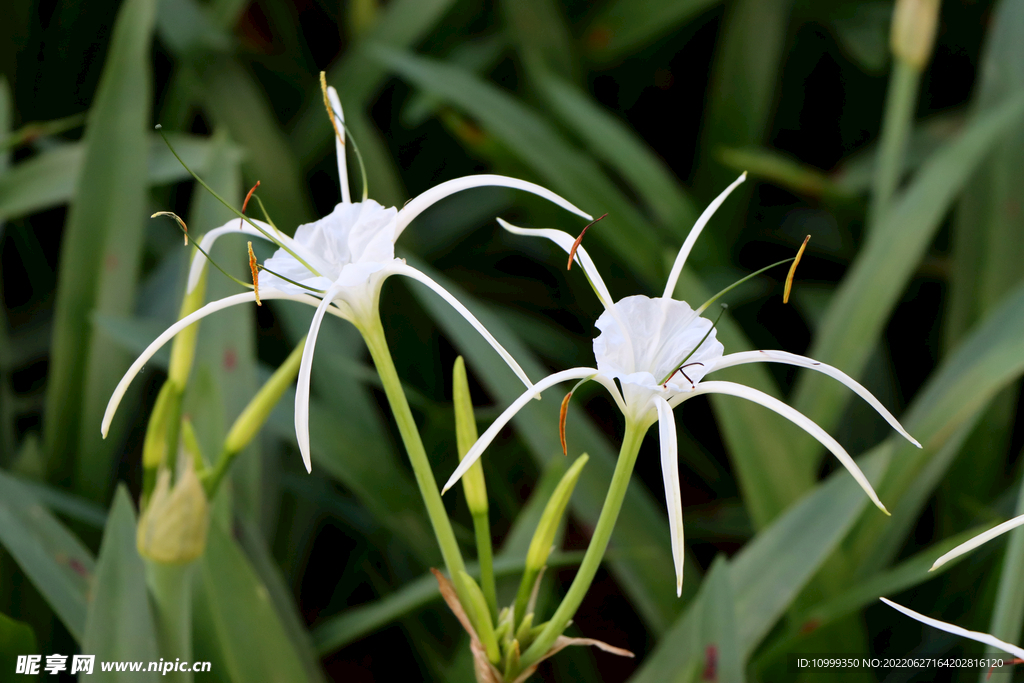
479, 616
172, 528
465, 436
544, 536
912, 36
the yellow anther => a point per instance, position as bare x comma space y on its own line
792, 271
255, 274
330, 109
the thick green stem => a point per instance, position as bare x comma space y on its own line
485, 555
171, 588
900, 103
373, 335
631, 441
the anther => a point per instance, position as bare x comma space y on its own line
184, 228
330, 109
255, 274
792, 271
576, 244
561, 422
248, 196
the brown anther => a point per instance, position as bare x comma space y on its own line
1012, 662
184, 228
330, 109
792, 271
576, 244
561, 422
255, 274
248, 196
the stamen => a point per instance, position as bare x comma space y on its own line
1012, 662
576, 244
330, 109
739, 282
561, 423
792, 271
184, 228
246, 202
255, 275
565, 410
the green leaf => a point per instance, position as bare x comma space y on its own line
120, 625
624, 26
16, 638
710, 621
538, 29
780, 169
53, 558
340, 630
909, 573
941, 416
255, 643
615, 143
1009, 606
861, 306
65, 503
559, 164
100, 254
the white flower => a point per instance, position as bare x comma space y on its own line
660, 351
342, 259
978, 636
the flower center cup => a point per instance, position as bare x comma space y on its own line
660, 336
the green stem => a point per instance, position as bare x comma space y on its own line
373, 335
171, 588
631, 441
900, 104
485, 555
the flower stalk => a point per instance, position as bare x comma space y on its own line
473, 484
631, 441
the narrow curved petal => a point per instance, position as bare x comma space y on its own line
565, 241
170, 332
231, 227
488, 436
435, 194
673, 494
797, 418
698, 227
339, 144
958, 631
811, 364
409, 271
980, 539
302, 386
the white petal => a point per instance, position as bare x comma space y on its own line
199, 261
170, 332
565, 241
811, 364
409, 271
673, 494
797, 418
302, 386
339, 144
435, 194
957, 631
684, 251
488, 436
980, 539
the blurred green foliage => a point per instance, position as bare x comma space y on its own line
642, 109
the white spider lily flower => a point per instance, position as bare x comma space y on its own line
342, 258
978, 636
980, 539
660, 350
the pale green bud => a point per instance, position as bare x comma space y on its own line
172, 527
183, 350
255, 414
480, 616
160, 432
547, 527
465, 436
912, 35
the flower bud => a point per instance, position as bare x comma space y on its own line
480, 616
465, 435
912, 36
172, 528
